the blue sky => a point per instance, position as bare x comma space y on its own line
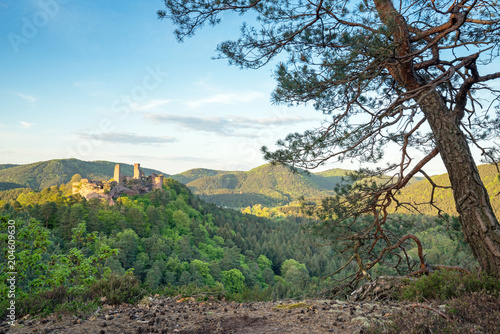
106, 80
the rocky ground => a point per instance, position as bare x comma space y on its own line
165, 315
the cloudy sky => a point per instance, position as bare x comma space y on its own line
106, 80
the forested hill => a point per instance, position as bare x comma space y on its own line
420, 192
195, 174
5, 166
276, 185
44, 174
267, 185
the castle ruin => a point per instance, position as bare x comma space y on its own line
119, 185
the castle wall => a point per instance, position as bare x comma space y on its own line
157, 182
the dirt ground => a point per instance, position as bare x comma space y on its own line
167, 315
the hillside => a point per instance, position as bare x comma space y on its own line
44, 174
420, 192
268, 185
5, 166
196, 173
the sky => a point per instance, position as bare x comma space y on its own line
107, 80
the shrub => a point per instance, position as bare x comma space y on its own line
56, 300
445, 284
216, 292
481, 309
117, 289
472, 304
473, 313
44, 302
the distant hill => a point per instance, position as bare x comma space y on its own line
267, 185
194, 174
420, 192
44, 174
5, 166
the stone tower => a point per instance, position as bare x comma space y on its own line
157, 181
118, 176
137, 171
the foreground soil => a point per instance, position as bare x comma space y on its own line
166, 315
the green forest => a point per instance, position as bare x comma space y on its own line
169, 241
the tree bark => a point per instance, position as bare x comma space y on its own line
479, 224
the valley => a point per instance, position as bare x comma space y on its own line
172, 241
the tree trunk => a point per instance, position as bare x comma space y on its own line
479, 224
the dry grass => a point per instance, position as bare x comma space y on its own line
478, 312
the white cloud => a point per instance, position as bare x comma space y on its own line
26, 125
228, 98
128, 138
26, 97
219, 125
262, 122
180, 158
150, 105
224, 126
